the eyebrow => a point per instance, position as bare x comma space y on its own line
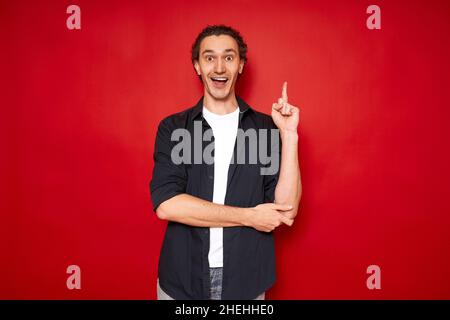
212, 51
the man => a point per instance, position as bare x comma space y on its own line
219, 242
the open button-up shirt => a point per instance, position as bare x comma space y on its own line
249, 254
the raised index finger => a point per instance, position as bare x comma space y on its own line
284, 92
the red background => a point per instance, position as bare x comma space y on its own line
80, 110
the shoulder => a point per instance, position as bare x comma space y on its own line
177, 120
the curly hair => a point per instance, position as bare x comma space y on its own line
217, 30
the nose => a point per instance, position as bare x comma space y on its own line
219, 66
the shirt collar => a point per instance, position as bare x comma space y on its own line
243, 107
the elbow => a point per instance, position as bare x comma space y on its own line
168, 210
295, 210
161, 213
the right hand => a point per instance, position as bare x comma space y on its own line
268, 216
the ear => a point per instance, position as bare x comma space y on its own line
241, 66
197, 68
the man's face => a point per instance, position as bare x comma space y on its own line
219, 65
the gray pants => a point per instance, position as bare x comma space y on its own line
216, 287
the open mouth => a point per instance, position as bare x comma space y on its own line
219, 82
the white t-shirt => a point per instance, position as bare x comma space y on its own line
224, 129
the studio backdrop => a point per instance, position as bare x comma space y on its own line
85, 84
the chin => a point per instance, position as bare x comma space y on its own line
216, 94
221, 97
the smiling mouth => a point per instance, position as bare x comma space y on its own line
219, 81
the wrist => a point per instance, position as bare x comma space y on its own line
247, 215
288, 134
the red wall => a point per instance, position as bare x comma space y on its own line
80, 110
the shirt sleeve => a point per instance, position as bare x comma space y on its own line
168, 179
271, 181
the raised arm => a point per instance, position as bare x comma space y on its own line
289, 186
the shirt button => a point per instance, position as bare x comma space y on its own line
210, 176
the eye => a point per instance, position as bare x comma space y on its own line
209, 58
229, 58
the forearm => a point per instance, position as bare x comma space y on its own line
289, 187
197, 212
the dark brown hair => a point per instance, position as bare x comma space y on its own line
217, 30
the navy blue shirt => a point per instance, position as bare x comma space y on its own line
248, 254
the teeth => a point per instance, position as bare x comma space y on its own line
219, 78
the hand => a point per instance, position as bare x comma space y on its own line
285, 115
289, 214
267, 216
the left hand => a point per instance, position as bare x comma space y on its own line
285, 115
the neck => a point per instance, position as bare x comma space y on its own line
222, 106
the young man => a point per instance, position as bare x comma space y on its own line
219, 242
